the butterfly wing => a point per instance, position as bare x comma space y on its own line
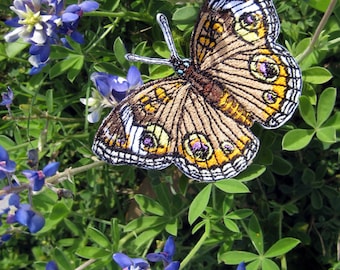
234, 43
210, 145
167, 121
140, 130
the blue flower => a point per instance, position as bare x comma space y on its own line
9, 201
27, 217
32, 24
7, 98
7, 166
42, 23
71, 16
4, 238
111, 90
241, 266
166, 255
51, 265
127, 263
37, 178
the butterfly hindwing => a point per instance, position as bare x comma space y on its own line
210, 145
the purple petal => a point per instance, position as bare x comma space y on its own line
169, 247
42, 51
24, 214
32, 175
134, 77
241, 266
173, 266
72, 9
156, 257
51, 265
122, 260
3, 154
69, 17
5, 237
14, 200
77, 37
102, 81
142, 264
36, 223
51, 168
121, 87
13, 22
88, 6
36, 70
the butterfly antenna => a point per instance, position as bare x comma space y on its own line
164, 24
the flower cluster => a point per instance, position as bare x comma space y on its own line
42, 23
125, 262
111, 89
165, 256
21, 213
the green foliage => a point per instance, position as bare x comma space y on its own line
289, 195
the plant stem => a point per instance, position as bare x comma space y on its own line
317, 33
127, 15
197, 246
70, 172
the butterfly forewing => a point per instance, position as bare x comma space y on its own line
234, 43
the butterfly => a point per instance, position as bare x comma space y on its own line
200, 118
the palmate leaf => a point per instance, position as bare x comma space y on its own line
297, 139
199, 204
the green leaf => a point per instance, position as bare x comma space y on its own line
172, 226
199, 204
147, 236
231, 225
297, 139
281, 247
185, 15
232, 186
252, 172
98, 237
316, 199
63, 66
325, 105
235, 257
161, 48
268, 264
281, 166
120, 51
62, 260
92, 252
307, 111
49, 100
320, 5
326, 134
6, 142
149, 205
255, 234
144, 222
240, 214
75, 69
14, 48
316, 75
333, 121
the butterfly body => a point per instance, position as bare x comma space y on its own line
199, 120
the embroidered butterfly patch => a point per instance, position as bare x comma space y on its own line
200, 119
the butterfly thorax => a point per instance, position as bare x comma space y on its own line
180, 65
217, 95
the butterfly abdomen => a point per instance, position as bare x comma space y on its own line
218, 97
